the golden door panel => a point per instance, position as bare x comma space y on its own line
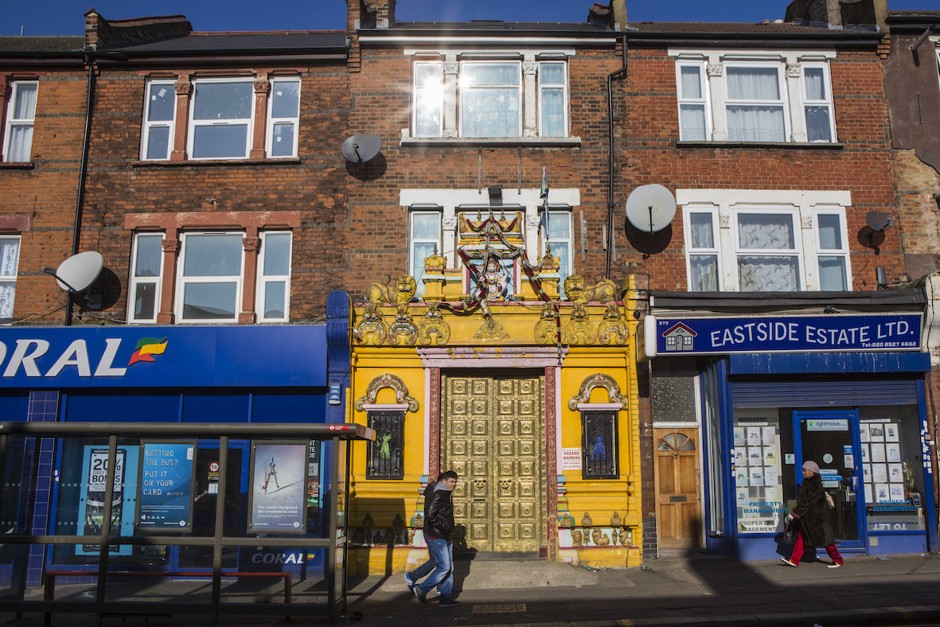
492, 428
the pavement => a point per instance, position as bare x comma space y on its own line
690, 590
695, 590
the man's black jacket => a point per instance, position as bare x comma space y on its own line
439, 514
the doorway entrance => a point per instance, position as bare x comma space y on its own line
493, 435
831, 439
678, 510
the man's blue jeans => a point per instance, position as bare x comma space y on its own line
442, 554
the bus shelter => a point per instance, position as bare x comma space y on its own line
254, 516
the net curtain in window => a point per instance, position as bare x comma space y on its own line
9, 258
751, 121
20, 122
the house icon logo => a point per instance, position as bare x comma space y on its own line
679, 337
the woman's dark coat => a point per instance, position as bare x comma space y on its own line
814, 513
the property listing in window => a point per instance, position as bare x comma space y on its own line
893, 498
757, 473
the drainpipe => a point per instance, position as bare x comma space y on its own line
610, 167
82, 176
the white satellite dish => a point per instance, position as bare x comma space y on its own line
78, 272
651, 208
360, 148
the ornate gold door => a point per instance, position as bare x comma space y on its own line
493, 436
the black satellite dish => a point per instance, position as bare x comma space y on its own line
651, 208
362, 147
879, 221
78, 272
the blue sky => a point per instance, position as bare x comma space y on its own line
64, 17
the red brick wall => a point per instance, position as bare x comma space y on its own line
119, 183
863, 166
46, 194
381, 105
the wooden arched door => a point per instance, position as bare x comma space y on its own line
678, 510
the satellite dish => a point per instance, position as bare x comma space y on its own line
651, 208
360, 148
78, 272
878, 221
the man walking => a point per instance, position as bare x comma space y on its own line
438, 527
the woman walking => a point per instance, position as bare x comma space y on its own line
813, 512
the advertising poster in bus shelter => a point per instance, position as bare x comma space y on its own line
91, 503
166, 486
278, 488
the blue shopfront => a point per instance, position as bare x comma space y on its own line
773, 391
173, 375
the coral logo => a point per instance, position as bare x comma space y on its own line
147, 347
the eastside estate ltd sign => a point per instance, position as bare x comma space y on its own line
675, 336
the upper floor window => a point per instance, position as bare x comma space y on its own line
283, 117
832, 250
9, 262
553, 99
274, 276
764, 246
490, 95
424, 238
781, 99
755, 104
159, 119
221, 120
558, 236
146, 274
20, 118
211, 277
490, 99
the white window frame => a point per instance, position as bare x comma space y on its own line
780, 102
564, 90
12, 122
249, 122
692, 251
263, 279
842, 252
463, 89
788, 64
149, 124
795, 252
272, 121
418, 93
703, 101
8, 279
803, 205
938, 64
134, 282
414, 269
182, 281
568, 215
451, 65
825, 102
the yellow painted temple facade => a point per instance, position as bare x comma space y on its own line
529, 396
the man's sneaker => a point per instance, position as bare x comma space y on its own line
788, 562
449, 603
409, 582
420, 594
835, 565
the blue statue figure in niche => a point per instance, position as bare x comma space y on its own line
599, 451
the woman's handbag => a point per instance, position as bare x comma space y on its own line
792, 531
